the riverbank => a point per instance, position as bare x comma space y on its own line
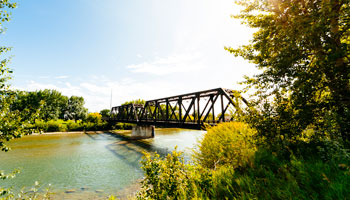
116, 131
83, 132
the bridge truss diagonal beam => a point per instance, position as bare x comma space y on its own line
191, 110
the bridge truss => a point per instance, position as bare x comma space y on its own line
191, 110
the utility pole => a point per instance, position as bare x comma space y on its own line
110, 105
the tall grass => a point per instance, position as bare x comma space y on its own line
258, 173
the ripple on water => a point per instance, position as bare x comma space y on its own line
87, 166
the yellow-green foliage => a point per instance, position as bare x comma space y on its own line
94, 117
59, 125
51, 125
229, 143
56, 126
122, 126
262, 174
111, 197
172, 178
271, 177
35, 193
74, 125
41, 125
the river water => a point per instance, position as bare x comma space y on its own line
87, 166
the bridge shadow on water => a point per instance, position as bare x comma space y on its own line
128, 150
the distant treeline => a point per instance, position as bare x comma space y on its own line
49, 105
54, 112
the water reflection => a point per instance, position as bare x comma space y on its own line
106, 161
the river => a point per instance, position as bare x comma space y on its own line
87, 166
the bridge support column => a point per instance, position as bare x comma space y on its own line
142, 132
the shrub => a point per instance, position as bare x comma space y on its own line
331, 150
171, 178
318, 144
71, 125
123, 126
41, 125
56, 126
88, 126
229, 143
74, 125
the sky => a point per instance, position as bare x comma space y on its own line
135, 49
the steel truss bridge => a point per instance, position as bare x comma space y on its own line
192, 110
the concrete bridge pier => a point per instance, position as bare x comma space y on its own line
142, 132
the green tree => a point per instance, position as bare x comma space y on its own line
303, 51
137, 101
50, 104
75, 108
54, 104
11, 125
27, 103
105, 113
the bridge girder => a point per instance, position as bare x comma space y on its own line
191, 110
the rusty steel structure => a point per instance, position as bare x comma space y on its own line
192, 110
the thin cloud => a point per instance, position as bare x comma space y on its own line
44, 77
177, 63
61, 77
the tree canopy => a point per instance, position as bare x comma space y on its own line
137, 101
105, 113
302, 48
50, 104
10, 121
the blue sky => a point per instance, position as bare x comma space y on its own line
136, 49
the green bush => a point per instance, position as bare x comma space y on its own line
229, 143
171, 178
71, 125
56, 126
331, 150
74, 125
41, 125
316, 144
88, 126
91, 126
123, 126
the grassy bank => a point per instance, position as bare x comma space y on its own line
232, 163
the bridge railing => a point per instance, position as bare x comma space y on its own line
192, 109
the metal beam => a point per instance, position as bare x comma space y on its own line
153, 113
